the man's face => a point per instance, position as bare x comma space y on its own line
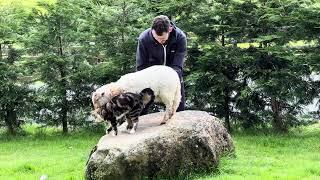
163, 38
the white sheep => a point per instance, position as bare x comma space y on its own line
163, 80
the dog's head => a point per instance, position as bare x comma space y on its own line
96, 114
103, 95
103, 113
147, 96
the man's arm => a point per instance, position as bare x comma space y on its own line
141, 56
180, 54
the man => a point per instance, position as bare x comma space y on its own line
163, 44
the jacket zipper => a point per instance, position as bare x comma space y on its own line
164, 54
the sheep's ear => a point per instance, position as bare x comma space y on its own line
113, 91
116, 91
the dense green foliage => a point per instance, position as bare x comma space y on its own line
245, 60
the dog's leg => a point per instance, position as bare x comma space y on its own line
121, 121
108, 130
129, 122
114, 126
135, 121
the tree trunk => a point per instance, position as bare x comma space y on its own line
11, 121
64, 108
0, 52
64, 112
64, 105
63, 82
227, 109
226, 91
223, 39
124, 20
278, 122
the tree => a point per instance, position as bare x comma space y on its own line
228, 81
54, 38
117, 25
14, 94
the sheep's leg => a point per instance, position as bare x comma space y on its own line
172, 104
169, 112
166, 116
176, 101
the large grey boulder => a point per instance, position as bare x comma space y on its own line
191, 140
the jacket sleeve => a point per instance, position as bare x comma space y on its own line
180, 54
141, 56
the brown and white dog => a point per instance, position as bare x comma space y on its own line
126, 106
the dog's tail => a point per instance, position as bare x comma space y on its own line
147, 95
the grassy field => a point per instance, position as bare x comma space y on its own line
292, 156
258, 156
26, 4
45, 152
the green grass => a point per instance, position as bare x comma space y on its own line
292, 156
27, 5
258, 155
45, 152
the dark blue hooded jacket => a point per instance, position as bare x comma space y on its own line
172, 54
150, 52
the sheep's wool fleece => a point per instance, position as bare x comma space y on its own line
152, 77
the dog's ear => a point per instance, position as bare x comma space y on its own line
109, 107
104, 113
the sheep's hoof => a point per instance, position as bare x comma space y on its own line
163, 122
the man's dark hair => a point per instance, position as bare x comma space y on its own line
161, 24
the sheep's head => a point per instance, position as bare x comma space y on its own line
99, 99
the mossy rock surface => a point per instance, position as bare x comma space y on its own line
191, 140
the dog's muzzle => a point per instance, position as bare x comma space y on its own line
97, 115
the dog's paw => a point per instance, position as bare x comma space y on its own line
114, 133
129, 130
132, 131
129, 127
